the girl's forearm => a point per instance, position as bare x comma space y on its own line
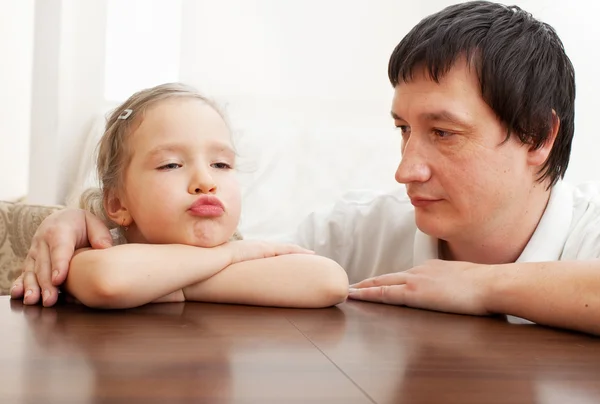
134, 274
294, 280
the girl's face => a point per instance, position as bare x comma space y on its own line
179, 186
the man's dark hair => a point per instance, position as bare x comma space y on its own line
521, 64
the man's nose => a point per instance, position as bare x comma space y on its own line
413, 165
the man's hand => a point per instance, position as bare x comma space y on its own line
453, 287
52, 248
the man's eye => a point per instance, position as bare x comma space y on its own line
404, 130
442, 133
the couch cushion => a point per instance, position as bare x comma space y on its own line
18, 223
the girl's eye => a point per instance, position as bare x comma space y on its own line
170, 166
221, 166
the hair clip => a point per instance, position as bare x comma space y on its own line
125, 114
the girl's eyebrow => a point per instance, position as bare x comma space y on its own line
167, 147
221, 146
180, 147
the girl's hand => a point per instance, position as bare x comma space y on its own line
246, 250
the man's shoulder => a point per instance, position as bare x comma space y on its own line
586, 202
360, 210
367, 232
586, 192
584, 233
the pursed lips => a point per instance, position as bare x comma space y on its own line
207, 206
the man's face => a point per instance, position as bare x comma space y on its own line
465, 181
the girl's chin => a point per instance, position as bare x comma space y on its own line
196, 238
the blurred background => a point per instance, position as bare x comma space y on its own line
304, 84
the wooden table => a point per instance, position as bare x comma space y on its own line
353, 353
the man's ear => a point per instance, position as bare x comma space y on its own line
537, 157
116, 210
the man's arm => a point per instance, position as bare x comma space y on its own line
52, 247
564, 294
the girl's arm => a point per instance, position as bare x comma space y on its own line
135, 274
297, 280
131, 275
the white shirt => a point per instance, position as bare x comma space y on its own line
371, 233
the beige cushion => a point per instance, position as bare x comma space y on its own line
18, 223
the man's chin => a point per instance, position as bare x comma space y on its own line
432, 226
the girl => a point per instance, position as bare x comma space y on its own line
166, 168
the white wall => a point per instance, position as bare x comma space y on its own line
68, 88
143, 40
74, 84
16, 48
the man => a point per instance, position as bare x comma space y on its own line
484, 102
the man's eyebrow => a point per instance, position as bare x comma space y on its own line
445, 116
438, 116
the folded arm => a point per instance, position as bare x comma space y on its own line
131, 275
297, 280
135, 274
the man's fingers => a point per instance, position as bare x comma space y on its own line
16, 290
42, 273
32, 289
380, 294
60, 257
396, 278
97, 232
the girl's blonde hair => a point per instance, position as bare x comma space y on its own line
113, 154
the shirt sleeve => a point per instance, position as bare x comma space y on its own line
324, 231
584, 241
367, 233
